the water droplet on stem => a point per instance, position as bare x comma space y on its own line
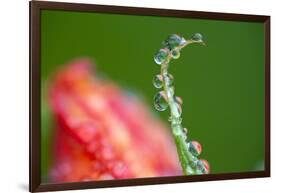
194, 147
203, 166
158, 81
175, 54
178, 100
161, 56
160, 101
179, 109
174, 41
197, 37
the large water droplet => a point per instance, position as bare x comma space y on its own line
203, 166
174, 41
175, 54
197, 37
160, 101
158, 81
161, 56
194, 147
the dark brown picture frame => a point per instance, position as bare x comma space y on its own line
35, 8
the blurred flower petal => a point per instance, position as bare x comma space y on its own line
102, 133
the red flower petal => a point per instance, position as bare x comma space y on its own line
104, 134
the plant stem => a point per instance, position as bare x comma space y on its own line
187, 160
179, 136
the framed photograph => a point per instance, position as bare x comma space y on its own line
125, 96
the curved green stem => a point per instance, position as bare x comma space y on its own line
190, 163
178, 131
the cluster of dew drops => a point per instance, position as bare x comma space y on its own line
172, 46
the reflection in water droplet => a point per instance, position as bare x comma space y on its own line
178, 100
161, 56
160, 101
203, 166
175, 54
174, 41
158, 81
197, 37
194, 147
179, 109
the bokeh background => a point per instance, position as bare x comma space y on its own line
222, 85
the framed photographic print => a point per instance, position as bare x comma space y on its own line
123, 96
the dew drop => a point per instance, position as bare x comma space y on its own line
197, 37
185, 131
174, 41
178, 100
179, 109
158, 81
160, 101
161, 56
175, 54
194, 147
203, 166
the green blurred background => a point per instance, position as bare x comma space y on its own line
222, 85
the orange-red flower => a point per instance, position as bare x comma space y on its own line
102, 133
